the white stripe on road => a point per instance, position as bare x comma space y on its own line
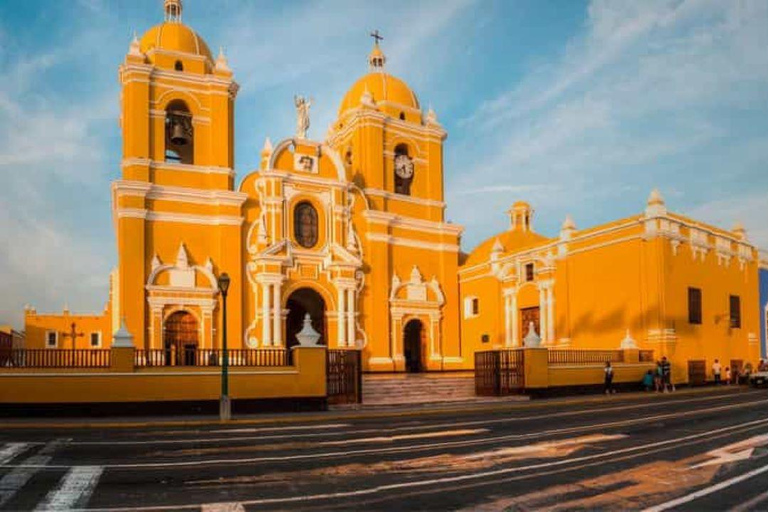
11, 450
74, 489
460, 478
707, 490
12, 482
280, 429
421, 447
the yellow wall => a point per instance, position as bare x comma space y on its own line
37, 325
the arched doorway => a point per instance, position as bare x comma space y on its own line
301, 302
180, 339
412, 335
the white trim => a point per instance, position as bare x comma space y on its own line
408, 242
47, 337
398, 221
175, 166
180, 194
406, 199
185, 218
90, 339
469, 306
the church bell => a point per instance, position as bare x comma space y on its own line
179, 135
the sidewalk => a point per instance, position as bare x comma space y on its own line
478, 406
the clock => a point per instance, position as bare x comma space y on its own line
404, 167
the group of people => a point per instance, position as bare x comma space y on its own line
660, 380
736, 375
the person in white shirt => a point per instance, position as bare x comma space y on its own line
716, 371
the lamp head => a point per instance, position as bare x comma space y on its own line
224, 283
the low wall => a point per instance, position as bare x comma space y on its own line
123, 383
562, 376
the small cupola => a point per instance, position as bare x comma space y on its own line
521, 217
376, 59
173, 10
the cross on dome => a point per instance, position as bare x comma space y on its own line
376, 59
173, 10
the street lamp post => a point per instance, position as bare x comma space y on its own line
225, 407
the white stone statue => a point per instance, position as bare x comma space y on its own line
308, 336
302, 115
532, 339
628, 342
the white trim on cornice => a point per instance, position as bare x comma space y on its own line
390, 219
407, 242
174, 166
406, 199
186, 218
292, 177
180, 194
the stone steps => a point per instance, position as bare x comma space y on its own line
417, 388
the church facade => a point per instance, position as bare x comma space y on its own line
352, 231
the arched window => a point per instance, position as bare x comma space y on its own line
402, 116
403, 170
178, 66
179, 133
305, 228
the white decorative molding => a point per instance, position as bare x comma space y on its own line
408, 242
184, 218
403, 198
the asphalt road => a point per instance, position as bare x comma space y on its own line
703, 451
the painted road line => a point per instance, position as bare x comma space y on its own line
707, 490
74, 489
473, 423
12, 482
11, 450
414, 448
612, 455
271, 429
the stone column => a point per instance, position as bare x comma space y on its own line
543, 314
550, 313
507, 319
515, 320
341, 318
277, 315
351, 312
265, 319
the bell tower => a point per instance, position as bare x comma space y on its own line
177, 183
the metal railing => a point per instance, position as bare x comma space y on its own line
55, 358
583, 357
646, 356
499, 372
212, 357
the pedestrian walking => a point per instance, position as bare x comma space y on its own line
666, 375
728, 375
716, 370
609, 378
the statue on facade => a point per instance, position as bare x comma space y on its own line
302, 115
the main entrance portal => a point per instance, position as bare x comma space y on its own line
180, 339
301, 302
412, 346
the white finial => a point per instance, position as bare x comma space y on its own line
221, 61
182, 259
416, 277
431, 116
739, 230
532, 339
568, 228
156, 261
267, 146
655, 205
135, 47
655, 197
122, 338
497, 247
628, 342
308, 336
367, 98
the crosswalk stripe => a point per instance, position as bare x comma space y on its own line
11, 450
74, 489
12, 482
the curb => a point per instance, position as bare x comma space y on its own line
410, 411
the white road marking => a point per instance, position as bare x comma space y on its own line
11, 450
414, 448
734, 452
12, 482
74, 489
223, 507
461, 478
515, 419
707, 490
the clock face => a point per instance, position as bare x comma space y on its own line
404, 167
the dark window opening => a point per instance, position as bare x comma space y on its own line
735, 311
402, 116
529, 269
305, 229
485, 338
179, 133
178, 66
694, 306
403, 170
475, 306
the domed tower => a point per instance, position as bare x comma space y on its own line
174, 206
391, 150
393, 154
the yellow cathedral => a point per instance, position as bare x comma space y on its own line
352, 231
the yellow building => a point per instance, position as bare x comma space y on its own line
352, 231
657, 280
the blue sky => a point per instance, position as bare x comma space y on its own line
578, 107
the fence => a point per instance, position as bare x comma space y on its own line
55, 358
584, 357
645, 356
344, 376
499, 372
211, 357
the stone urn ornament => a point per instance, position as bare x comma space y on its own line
308, 336
628, 342
532, 339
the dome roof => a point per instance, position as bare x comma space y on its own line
174, 37
382, 87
